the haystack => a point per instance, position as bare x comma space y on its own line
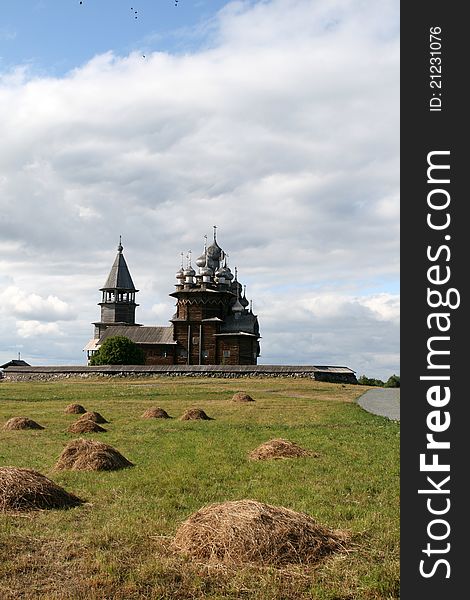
246, 531
85, 426
279, 448
75, 409
93, 416
193, 414
155, 413
242, 397
21, 423
25, 489
89, 455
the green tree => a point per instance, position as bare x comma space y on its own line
363, 380
393, 381
118, 350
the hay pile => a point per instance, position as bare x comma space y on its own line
93, 416
246, 531
193, 414
155, 413
75, 409
242, 397
25, 489
89, 455
21, 423
279, 448
85, 426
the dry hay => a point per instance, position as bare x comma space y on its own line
246, 531
75, 409
93, 416
90, 455
25, 489
242, 397
155, 413
193, 414
85, 426
279, 448
21, 423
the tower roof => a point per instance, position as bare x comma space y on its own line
119, 277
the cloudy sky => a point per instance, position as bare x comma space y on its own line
276, 120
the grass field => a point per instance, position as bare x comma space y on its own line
117, 545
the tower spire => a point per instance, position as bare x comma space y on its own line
120, 248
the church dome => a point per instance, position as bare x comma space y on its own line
206, 271
201, 261
237, 307
180, 274
189, 272
224, 272
214, 251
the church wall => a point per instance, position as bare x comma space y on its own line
228, 351
158, 354
209, 343
234, 350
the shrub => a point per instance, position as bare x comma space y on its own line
118, 350
363, 380
393, 381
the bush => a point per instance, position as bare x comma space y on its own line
393, 381
363, 380
118, 350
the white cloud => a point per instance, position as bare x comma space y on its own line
282, 130
27, 329
22, 304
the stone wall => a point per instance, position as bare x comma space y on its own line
331, 374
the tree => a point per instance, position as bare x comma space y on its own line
393, 381
118, 350
363, 380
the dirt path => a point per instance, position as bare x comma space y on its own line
382, 401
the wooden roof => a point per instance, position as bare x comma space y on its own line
119, 277
140, 335
15, 363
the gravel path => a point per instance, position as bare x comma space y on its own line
382, 401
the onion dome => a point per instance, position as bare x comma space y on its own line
228, 274
243, 301
214, 251
237, 307
206, 271
201, 260
189, 271
180, 274
224, 271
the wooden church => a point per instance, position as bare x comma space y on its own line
213, 324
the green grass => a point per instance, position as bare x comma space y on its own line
116, 546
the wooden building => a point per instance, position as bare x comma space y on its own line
213, 323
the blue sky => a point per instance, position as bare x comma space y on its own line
54, 36
276, 120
